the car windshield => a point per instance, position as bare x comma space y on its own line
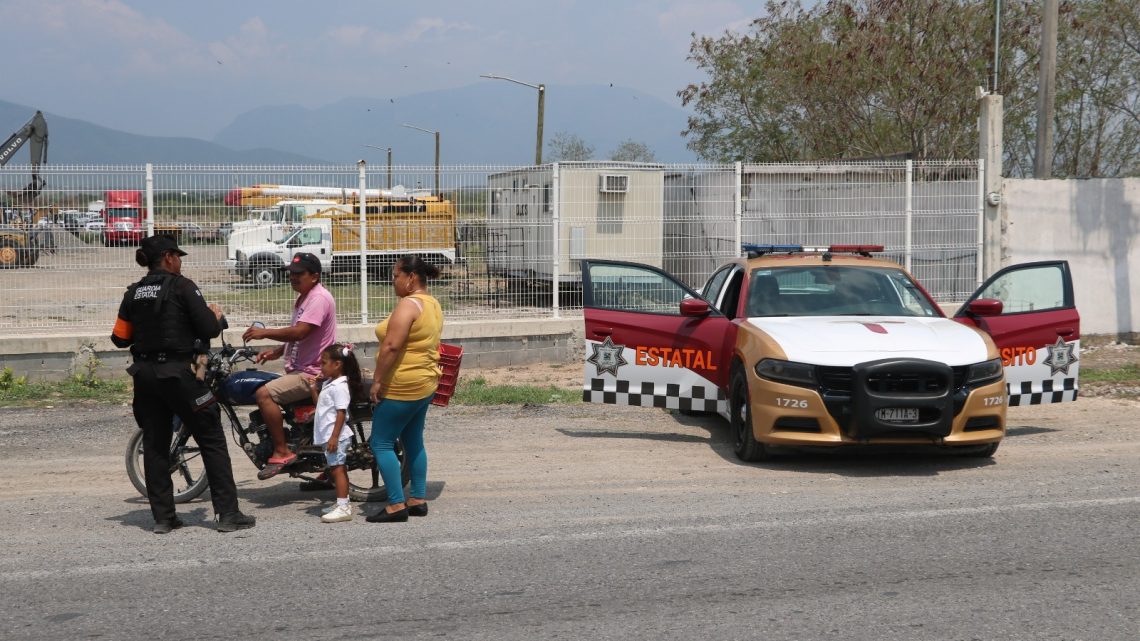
122, 213
834, 290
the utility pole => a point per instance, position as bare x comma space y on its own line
1046, 90
541, 107
436, 133
389, 162
997, 44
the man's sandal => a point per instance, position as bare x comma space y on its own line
274, 466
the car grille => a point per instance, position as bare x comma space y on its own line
907, 383
834, 379
838, 380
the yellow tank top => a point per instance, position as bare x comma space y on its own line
416, 371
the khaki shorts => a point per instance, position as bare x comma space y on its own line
290, 388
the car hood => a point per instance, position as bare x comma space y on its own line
844, 341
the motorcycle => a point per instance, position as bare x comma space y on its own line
236, 389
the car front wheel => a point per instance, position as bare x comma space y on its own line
745, 445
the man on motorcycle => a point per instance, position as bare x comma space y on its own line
313, 329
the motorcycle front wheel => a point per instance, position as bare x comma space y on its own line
187, 470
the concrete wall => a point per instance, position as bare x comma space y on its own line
485, 344
1091, 223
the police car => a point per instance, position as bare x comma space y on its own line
831, 346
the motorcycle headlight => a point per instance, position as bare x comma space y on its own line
786, 371
984, 372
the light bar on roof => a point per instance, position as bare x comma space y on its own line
855, 249
771, 249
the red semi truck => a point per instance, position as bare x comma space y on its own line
124, 217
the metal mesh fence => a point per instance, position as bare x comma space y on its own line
507, 238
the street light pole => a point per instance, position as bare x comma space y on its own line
389, 162
429, 131
541, 106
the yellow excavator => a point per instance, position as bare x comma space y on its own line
18, 245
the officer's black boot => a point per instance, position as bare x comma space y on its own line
233, 521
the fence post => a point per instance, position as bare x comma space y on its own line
555, 236
980, 276
149, 199
361, 166
738, 209
909, 240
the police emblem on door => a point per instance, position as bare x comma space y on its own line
607, 357
1060, 357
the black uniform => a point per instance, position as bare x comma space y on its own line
165, 321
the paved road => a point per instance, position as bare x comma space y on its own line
594, 523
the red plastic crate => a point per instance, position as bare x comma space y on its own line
450, 357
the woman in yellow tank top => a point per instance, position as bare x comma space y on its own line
407, 371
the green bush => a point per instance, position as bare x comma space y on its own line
9, 381
476, 391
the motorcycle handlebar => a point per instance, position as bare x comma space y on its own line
241, 353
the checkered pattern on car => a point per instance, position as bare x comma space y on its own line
1050, 392
666, 395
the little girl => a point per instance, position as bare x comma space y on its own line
339, 385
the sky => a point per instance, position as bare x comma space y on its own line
188, 67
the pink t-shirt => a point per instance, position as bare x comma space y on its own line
317, 308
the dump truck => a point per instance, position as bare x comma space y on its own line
423, 226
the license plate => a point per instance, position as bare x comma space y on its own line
897, 414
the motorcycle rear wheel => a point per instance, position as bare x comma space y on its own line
187, 470
365, 485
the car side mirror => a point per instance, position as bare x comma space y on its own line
985, 307
695, 308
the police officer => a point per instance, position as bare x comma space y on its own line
166, 323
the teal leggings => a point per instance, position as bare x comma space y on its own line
402, 420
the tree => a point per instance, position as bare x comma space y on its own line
630, 150
873, 78
566, 146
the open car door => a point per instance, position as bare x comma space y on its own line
1029, 311
651, 341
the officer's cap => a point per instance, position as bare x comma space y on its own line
155, 246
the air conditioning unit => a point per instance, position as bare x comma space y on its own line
613, 183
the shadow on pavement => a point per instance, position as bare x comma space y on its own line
198, 516
853, 460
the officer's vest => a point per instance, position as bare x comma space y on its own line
158, 316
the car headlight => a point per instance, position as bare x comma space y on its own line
786, 371
984, 372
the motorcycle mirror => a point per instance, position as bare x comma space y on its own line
225, 325
258, 325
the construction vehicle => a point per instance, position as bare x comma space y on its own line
34, 131
19, 245
270, 195
423, 227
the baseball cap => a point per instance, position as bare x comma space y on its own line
305, 262
155, 246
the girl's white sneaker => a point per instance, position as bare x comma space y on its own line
338, 514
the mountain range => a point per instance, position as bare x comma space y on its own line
485, 123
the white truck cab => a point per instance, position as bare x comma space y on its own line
273, 225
